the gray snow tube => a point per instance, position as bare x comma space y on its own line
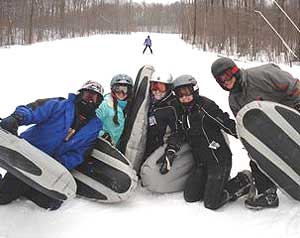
270, 133
133, 140
174, 180
35, 168
106, 175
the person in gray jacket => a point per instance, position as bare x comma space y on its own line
266, 82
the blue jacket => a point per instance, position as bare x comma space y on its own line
106, 114
52, 121
148, 42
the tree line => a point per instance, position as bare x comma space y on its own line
225, 26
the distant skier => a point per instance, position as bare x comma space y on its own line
148, 44
113, 109
64, 129
269, 83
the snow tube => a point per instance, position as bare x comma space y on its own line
106, 175
35, 168
174, 180
270, 133
133, 140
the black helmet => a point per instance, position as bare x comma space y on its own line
221, 65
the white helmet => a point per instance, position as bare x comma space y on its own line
92, 86
161, 77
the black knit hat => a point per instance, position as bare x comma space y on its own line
221, 65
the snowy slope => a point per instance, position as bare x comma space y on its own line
59, 67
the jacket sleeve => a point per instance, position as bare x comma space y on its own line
221, 118
35, 115
75, 157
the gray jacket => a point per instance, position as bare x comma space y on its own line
267, 82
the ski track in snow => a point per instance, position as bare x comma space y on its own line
56, 68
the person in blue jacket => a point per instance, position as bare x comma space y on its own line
64, 129
148, 44
112, 111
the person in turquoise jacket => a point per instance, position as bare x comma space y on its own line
112, 111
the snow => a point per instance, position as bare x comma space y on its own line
56, 68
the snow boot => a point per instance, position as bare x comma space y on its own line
268, 199
239, 185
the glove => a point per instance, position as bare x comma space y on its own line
11, 123
297, 106
107, 137
166, 161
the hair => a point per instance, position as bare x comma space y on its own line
115, 105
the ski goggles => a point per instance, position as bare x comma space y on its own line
158, 86
117, 88
184, 91
227, 75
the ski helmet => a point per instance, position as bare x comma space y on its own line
185, 80
121, 79
161, 77
92, 86
221, 65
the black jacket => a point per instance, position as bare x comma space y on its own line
162, 122
202, 125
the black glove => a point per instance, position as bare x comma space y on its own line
11, 123
107, 137
166, 161
297, 106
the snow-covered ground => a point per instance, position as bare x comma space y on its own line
59, 67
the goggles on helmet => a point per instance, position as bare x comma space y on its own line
118, 88
227, 75
184, 91
158, 86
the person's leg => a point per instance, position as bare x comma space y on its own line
11, 188
215, 196
266, 191
262, 182
195, 185
144, 49
150, 49
42, 200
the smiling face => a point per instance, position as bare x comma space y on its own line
229, 84
158, 90
120, 91
185, 94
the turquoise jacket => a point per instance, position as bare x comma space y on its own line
105, 113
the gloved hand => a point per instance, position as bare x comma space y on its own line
297, 106
166, 161
11, 123
107, 137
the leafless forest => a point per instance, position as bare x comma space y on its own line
224, 26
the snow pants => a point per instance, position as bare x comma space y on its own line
208, 183
148, 46
12, 188
262, 182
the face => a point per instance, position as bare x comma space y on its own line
158, 90
230, 83
90, 96
121, 91
185, 94
227, 79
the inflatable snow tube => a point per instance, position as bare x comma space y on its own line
133, 140
106, 175
174, 180
35, 168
